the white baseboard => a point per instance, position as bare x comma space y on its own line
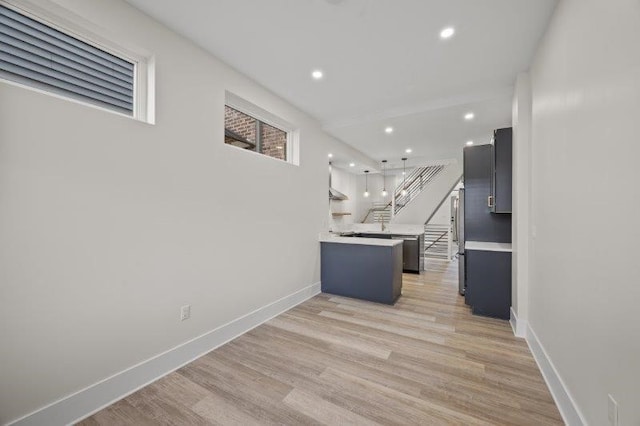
518, 326
565, 403
92, 399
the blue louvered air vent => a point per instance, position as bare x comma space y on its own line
37, 55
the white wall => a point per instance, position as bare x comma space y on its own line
584, 289
108, 225
442, 216
345, 182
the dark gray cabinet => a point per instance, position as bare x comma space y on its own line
480, 223
487, 265
412, 247
501, 171
367, 272
488, 282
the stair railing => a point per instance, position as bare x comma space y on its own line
414, 184
437, 241
378, 208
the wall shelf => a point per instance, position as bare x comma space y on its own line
340, 214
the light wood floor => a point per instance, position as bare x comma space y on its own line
337, 361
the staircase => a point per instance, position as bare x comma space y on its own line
437, 241
426, 188
415, 182
379, 212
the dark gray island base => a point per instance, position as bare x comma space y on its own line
412, 247
368, 270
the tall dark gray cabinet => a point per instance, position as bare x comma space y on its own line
480, 223
502, 171
487, 226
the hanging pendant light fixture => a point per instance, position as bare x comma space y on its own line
404, 177
366, 183
384, 180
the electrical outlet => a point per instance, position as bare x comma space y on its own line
185, 312
613, 411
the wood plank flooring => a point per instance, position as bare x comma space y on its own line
339, 361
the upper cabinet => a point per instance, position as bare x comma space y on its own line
480, 223
501, 171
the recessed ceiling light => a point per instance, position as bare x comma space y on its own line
469, 116
317, 74
388, 129
447, 32
330, 155
408, 150
279, 147
352, 164
469, 143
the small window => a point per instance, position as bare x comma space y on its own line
244, 131
40, 56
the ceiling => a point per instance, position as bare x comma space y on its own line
384, 62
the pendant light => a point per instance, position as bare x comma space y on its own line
384, 175
404, 178
366, 183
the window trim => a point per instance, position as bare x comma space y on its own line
75, 26
293, 133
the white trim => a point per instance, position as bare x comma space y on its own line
559, 391
67, 98
519, 327
92, 399
249, 108
293, 133
260, 154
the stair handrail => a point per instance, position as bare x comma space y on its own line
422, 172
413, 175
375, 209
417, 178
420, 177
437, 239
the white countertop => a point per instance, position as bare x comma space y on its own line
391, 228
485, 246
329, 238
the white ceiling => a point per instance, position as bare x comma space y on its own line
383, 60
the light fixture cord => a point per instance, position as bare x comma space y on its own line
384, 177
404, 173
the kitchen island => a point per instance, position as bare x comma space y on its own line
362, 268
412, 247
